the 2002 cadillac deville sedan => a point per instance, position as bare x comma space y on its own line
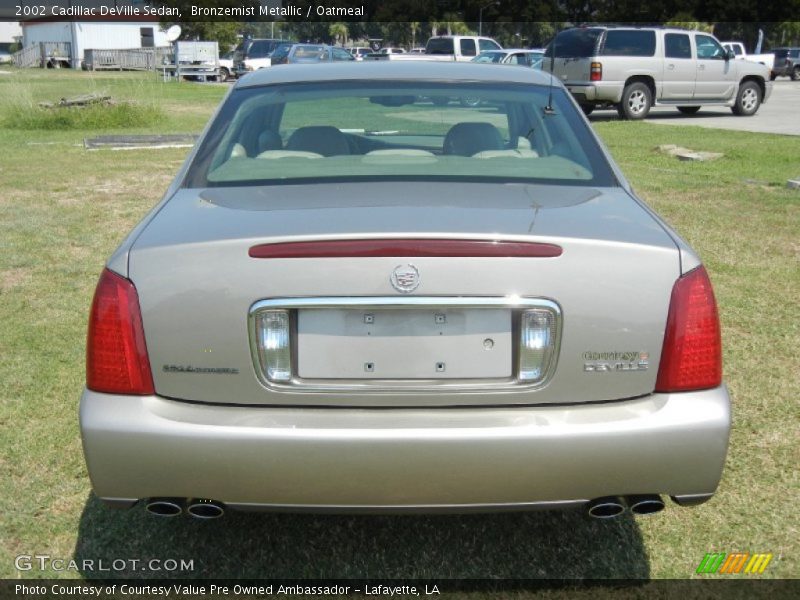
361, 295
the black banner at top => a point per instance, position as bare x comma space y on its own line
573, 11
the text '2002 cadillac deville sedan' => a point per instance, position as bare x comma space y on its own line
361, 295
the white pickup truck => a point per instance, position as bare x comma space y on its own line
740, 53
445, 48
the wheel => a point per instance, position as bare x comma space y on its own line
747, 100
795, 73
223, 74
636, 101
587, 109
772, 76
469, 101
689, 110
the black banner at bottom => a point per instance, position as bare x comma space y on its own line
122, 589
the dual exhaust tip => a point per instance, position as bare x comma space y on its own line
613, 506
199, 508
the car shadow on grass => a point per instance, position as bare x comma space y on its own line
520, 545
716, 112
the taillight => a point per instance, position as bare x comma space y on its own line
596, 71
116, 354
691, 358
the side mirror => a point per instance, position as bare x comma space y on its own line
730, 55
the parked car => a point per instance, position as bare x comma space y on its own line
632, 69
740, 53
309, 53
512, 56
787, 63
445, 48
392, 313
359, 53
390, 50
417, 50
254, 54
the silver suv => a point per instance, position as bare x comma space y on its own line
634, 68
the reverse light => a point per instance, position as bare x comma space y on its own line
691, 358
272, 341
116, 353
537, 349
596, 71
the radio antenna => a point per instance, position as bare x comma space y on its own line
548, 110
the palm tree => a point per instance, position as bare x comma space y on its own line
338, 31
454, 25
414, 26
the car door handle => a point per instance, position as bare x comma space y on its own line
671, 67
701, 67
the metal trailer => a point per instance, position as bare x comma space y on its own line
194, 59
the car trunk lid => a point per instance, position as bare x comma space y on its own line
198, 283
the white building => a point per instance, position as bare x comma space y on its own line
95, 35
10, 32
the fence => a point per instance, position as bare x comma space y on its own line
43, 54
134, 59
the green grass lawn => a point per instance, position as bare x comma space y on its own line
64, 209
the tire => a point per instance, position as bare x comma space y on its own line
748, 99
636, 101
689, 110
795, 73
224, 74
587, 109
772, 76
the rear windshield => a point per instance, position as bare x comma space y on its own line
629, 42
260, 48
489, 57
784, 52
575, 43
311, 132
439, 46
309, 51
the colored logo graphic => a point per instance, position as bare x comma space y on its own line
735, 562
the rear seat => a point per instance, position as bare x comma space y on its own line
321, 139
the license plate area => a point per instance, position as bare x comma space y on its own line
413, 343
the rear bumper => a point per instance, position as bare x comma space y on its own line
404, 459
601, 91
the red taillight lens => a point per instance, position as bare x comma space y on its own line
691, 358
596, 71
116, 354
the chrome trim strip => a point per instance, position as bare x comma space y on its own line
398, 386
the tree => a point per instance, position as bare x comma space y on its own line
414, 26
338, 31
687, 21
224, 31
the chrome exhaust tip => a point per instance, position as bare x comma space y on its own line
201, 508
606, 508
645, 504
164, 507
